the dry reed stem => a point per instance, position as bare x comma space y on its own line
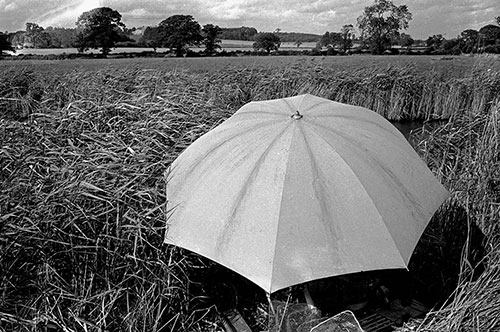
82, 203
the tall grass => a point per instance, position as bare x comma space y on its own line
466, 155
82, 203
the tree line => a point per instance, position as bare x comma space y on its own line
380, 27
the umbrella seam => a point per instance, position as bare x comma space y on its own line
367, 193
316, 173
299, 106
394, 132
246, 184
281, 203
290, 105
270, 105
258, 113
201, 159
311, 108
374, 161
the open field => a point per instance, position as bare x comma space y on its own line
83, 148
457, 66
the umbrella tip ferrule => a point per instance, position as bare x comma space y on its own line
296, 116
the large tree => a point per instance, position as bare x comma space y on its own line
99, 28
267, 41
490, 35
178, 32
5, 44
211, 38
382, 21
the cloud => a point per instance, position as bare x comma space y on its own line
67, 14
10, 7
448, 17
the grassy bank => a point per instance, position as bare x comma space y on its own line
82, 191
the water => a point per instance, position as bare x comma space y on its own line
407, 127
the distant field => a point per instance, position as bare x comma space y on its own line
457, 66
226, 45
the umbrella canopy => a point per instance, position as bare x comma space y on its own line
291, 190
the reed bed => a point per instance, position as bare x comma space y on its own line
82, 189
465, 153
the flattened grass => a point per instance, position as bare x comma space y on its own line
82, 190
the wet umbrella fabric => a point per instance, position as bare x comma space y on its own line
291, 190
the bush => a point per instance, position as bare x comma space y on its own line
492, 49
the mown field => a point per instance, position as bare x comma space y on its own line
83, 149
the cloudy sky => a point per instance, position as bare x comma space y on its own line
447, 17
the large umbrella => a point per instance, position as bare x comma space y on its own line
291, 190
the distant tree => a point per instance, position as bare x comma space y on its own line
17, 38
37, 36
211, 38
99, 28
381, 21
267, 41
325, 40
243, 33
129, 31
61, 37
298, 43
293, 37
5, 44
434, 42
469, 40
151, 38
330, 40
451, 46
346, 37
80, 43
405, 40
178, 32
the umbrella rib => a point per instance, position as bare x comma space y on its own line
311, 108
300, 103
222, 144
290, 106
368, 194
358, 119
326, 214
269, 105
389, 175
258, 113
244, 188
374, 161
